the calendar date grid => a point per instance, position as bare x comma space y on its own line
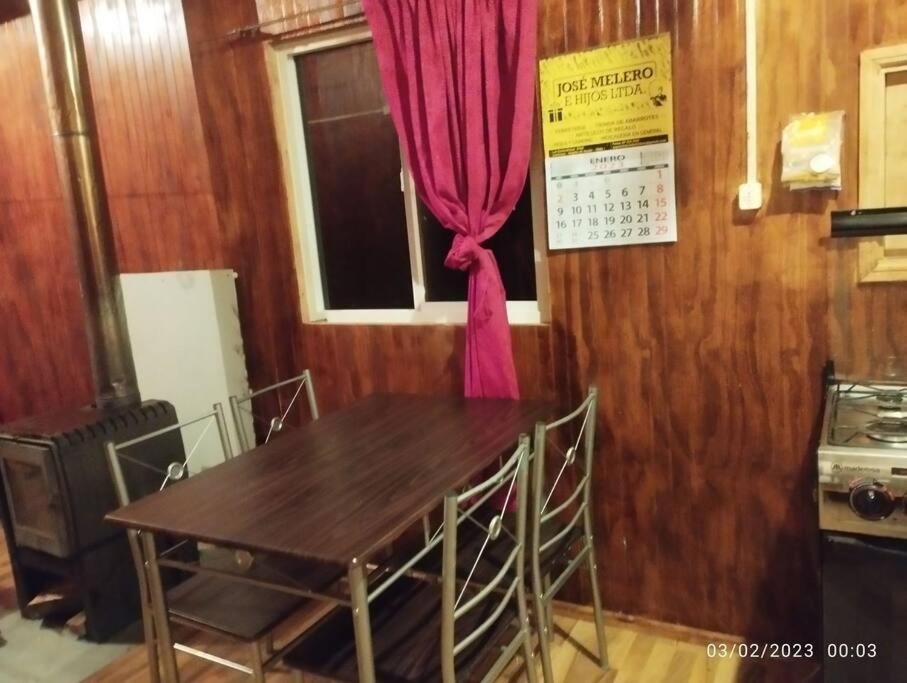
596, 207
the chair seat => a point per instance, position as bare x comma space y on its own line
560, 551
470, 538
406, 638
310, 575
498, 552
238, 610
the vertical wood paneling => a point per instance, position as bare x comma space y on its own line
707, 353
707, 350
43, 362
232, 88
868, 322
283, 16
155, 169
152, 146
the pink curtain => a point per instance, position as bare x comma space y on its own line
460, 80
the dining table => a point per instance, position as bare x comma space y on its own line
337, 491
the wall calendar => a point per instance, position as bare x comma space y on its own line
608, 129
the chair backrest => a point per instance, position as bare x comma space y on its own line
152, 461
241, 406
149, 463
458, 596
482, 505
574, 476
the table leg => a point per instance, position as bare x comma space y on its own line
159, 607
361, 626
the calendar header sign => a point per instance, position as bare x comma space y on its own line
608, 128
608, 97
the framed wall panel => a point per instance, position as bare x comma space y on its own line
883, 156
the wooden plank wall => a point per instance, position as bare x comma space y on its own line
157, 178
44, 356
867, 323
282, 16
707, 353
169, 210
231, 86
12, 9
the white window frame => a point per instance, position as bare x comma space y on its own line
291, 137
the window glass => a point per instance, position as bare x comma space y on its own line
512, 247
354, 170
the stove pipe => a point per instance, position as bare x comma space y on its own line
72, 121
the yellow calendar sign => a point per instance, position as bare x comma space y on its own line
608, 129
611, 96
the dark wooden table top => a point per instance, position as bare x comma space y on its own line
344, 486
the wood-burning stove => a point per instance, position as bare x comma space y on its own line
57, 489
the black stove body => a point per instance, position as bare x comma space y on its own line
862, 495
56, 489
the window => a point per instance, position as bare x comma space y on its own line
367, 249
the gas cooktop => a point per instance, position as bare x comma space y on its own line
867, 415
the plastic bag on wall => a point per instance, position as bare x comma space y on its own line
811, 151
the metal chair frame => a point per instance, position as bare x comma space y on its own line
458, 508
544, 588
142, 546
278, 422
514, 473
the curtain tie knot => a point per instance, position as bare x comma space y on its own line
464, 253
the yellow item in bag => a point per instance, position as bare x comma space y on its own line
811, 150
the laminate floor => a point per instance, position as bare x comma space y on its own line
639, 652
638, 655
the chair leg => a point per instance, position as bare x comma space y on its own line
525, 625
154, 670
528, 658
549, 612
258, 669
541, 622
597, 606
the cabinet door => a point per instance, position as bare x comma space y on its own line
864, 595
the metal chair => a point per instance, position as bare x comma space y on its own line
478, 629
275, 424
213, 603
551, 540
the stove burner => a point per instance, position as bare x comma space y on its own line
890, 398
892, 431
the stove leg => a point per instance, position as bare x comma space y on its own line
159, 604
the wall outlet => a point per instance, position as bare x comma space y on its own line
749, 196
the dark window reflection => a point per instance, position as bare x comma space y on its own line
512, 247
354, 169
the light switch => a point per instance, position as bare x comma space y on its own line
749, 196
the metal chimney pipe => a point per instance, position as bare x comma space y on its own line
72, 121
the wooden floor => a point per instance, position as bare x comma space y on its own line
7, 587
640, 652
